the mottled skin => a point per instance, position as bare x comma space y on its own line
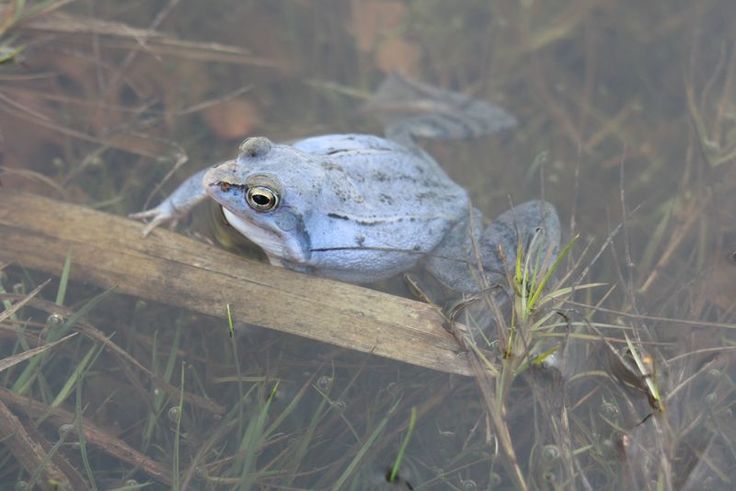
360, 208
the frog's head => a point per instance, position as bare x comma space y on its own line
265, 193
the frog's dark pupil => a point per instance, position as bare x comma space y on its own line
261, 199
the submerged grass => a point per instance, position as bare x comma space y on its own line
518, 342
394, 474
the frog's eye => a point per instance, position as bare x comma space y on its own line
262, 198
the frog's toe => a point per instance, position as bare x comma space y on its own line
157, 215
159, 220
142, 215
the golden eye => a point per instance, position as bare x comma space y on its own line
262, 198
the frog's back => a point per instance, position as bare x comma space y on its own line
388, 175
384, 197
345, 142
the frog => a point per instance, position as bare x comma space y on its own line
362, 208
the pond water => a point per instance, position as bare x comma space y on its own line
621, 378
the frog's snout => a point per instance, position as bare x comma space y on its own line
223, 173
256, 146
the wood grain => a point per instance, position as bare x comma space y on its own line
108, 250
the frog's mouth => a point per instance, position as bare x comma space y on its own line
278, 247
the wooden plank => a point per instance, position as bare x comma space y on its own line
37, 232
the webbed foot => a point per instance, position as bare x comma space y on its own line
411, 109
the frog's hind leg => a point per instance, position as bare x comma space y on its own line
410, 109
534, 225
455, 262
533, 228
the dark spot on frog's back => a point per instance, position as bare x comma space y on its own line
342, 195
380, 176
360, 240
369, 223
332, 166
386, 199
427, 195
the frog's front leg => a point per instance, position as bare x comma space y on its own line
176, 206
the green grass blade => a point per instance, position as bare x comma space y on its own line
13, 360
29, 373
77, 375
340, 483
64, 279
161, 397
12, 308
82, 440
551, 271
251, 443
404, 443
177, 437
230, 325
72, 320
301, 448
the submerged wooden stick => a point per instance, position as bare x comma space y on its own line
39, 232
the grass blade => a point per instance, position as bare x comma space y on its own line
404, 443
13, 360
64, 279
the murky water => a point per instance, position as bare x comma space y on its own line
627, 122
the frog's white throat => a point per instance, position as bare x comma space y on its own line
271, 243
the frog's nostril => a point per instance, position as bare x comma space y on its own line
256, 146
